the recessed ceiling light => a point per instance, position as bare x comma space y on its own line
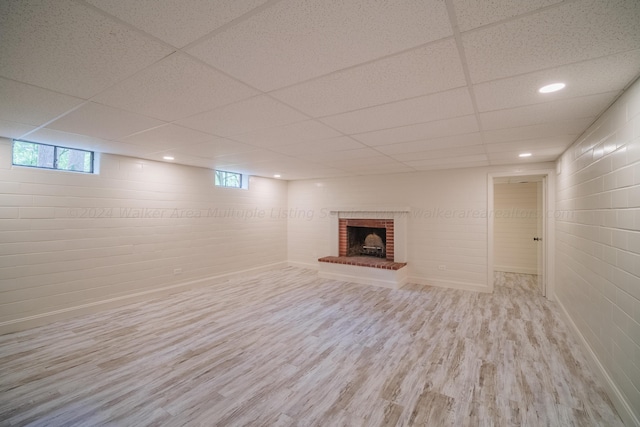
554, 87
276, 175
168, 157
524, 155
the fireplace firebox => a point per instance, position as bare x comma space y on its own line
366, 241
366, 237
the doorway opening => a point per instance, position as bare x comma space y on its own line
520, 232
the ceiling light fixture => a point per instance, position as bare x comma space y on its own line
276, 175
524, 155
554, 87
168, 157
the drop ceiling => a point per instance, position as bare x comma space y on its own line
314, 88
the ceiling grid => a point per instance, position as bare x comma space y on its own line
309, 89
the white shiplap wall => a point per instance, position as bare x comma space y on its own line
515, 226
72, 243
598, 245
447, 225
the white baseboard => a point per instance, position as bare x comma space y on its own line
615, 394
510, 269
41, 319
450, 284
353, 274
310, 266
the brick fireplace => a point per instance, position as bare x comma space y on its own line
382, 263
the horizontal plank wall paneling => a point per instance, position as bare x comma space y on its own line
74, 241
516, 224
598, 246
446, 227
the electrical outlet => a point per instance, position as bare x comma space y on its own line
442, 267
177, 271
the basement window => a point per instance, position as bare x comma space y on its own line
44, 156
228, 179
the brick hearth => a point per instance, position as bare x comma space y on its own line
364, 261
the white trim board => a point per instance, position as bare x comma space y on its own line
508, 269
623, 407
305, 265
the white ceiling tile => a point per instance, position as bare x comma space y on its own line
565, 109
463, 165
583, 78
179, 158
529, 145
454, 141
9, 129
177, 22
245, 157
420, 131
174, 88
32, 105
252, 114
432, 68
308, 130
166, 137
341, 156
511, 157
315, 173
571, 32
322, 172
476, 160
473, 159
378, 169
104, 122
319, 173
518, 162
344, 164
283, 164
299, 169
71, 48
73, 140
440, 154
476, 13
295, 40
120, 148
309, 148
444, 105
216, 147
268, 169
545, 130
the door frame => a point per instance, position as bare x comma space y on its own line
548, 225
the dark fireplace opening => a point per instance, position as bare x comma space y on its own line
366, 241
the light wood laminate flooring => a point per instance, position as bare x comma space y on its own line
286, 348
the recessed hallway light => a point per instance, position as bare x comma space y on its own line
524, 155
168, 157
554, 87
276, 176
